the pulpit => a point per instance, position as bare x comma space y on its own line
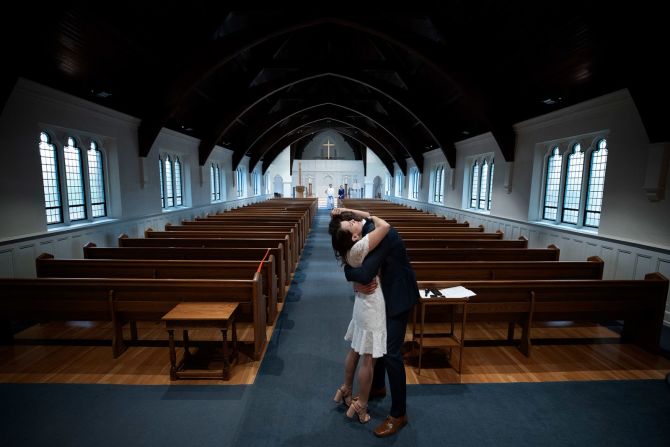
300, 191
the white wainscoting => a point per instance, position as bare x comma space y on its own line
17, 258
623, 260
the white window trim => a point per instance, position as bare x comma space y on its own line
58, 137
183, 167
467, 183
589, 144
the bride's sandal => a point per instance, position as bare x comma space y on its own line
360, 410
343, 394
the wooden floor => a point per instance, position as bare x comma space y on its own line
564, 352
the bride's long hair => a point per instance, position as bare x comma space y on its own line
341, 239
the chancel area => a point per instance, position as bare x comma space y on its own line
168, 177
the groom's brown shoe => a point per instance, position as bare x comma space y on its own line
390, 426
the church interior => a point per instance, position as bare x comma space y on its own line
168, 175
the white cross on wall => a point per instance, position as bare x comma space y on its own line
328, 145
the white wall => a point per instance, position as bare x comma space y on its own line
634, 235
133, 183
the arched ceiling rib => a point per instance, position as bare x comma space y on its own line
430, 78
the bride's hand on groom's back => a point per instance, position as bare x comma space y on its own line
365, 289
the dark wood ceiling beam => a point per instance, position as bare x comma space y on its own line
275, 149
437, 56
209, 59
389, 140
257, 130
378, 143
201, 64
399, 96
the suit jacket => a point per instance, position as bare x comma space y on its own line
398, 281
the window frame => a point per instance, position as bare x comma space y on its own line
481, 168
215, 182
414, 183
59, 142
589, 147
438, 184
171, 175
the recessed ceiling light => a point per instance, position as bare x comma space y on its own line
548, 101
465, 132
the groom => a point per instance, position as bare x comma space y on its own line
401, 293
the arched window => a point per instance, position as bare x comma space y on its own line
573, 185
256, 181
162, 181
438, 184
168, 186
552, 185
398, 184
481, 183
171, 181
564, 186
414, 183
594, 194
96, 180
484, 186
490, 196
239, 181
215, 182
474, 185
74, 179
50, 180
81, 190
178, 194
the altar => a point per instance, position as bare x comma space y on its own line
355, 191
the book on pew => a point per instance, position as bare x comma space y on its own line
449, 292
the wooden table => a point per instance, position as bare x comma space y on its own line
449, 339
201, 315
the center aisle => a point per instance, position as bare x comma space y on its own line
290, 403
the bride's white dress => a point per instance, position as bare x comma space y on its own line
367, 330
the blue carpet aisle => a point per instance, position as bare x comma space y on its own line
290, 402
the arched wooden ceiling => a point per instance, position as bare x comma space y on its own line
402, 82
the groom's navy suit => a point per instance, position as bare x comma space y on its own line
398, 283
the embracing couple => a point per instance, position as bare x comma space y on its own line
374, 254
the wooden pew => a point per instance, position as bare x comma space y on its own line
466, 243
255, 255
241, 225
439, 229
48, 267
123, 300
288, 239
639, 303
259, 216
503, 270
245, 231
277, 246
451, 235
551, 253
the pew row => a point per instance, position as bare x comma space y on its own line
551, 253
499, 270
47, 266
91, 251
522, 242
278, 247
126, 300
640, 304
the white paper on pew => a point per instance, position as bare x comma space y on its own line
449, 292
457, 292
